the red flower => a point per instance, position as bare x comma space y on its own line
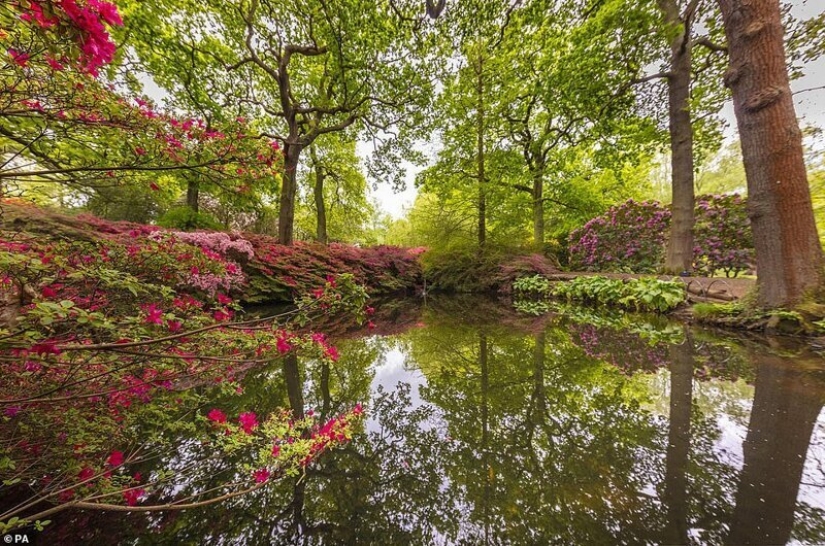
224, 299
45, 348
370, 311
85, 474
132, 496
216, 416
332, 353
370, 325
154, 187
54, 64
331, 280
276, 450
318, 293
115, 458
262, 475
19, 58
248, 421
221, 315
283, 346
50, 291
174, 325
153, 314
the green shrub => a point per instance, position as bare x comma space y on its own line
643, 294
187, 219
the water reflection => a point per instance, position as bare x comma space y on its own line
488, 429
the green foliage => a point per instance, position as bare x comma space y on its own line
643, 294
536, 284
187, 219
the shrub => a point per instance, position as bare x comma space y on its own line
188, 219
631, 238
723, 239
645, 294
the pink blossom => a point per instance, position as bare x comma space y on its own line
115, 458
216, 416
262, 475
248, 421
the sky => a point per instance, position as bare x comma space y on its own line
810, 109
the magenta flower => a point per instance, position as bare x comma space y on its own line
262, 475
216, 416
248, 421
115, 458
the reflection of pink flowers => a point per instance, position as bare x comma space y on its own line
262, 475
132, 496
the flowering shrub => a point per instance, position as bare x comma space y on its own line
277, 272
631, 238
222, 243
84, 23
105, 343
723, 239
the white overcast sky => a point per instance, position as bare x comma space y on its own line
810, 108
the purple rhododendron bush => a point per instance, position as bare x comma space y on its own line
631, 238
116, 338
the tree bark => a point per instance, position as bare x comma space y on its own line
482, 197
289, 186
679, 256
320, 206
788, 252
193, 194
538, 209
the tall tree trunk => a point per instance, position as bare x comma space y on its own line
679, 255
538, 209
289, 187
678, 444
193, 194
320, 206
482, 196
785, 410
788, 252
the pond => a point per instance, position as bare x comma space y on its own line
487, 428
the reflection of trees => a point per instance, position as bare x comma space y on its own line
678, 445
524, 439
786, 405
548, 445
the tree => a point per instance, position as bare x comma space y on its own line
304, 69
564, 91
788, 253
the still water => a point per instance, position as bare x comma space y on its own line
487, 428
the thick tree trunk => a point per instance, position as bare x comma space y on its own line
679, 255
538, 210
678, 446
320, 207
193, 194
482, 197
785, 410
788, 252
289, 186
